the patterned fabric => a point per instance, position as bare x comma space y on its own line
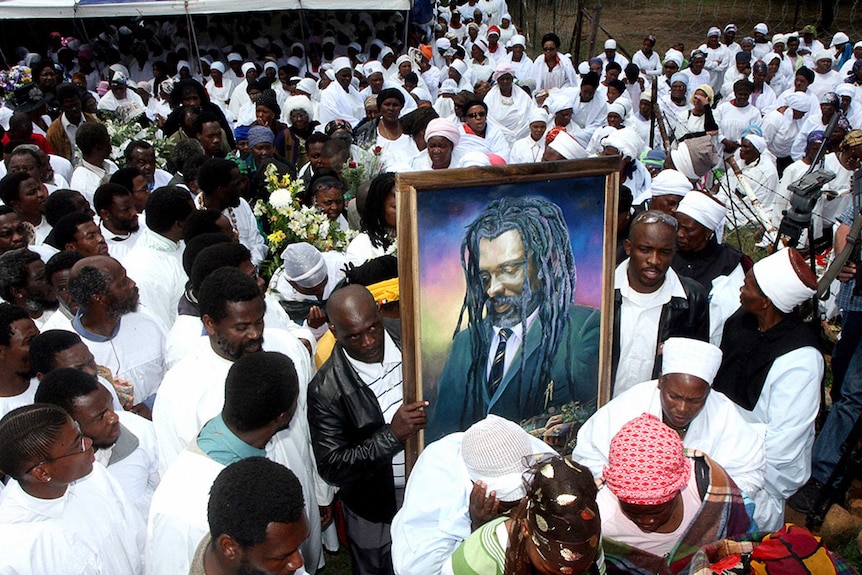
722, 514
646, 465
705, 561
499, 362
791, 551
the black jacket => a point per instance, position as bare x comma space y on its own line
680, 317
352, 443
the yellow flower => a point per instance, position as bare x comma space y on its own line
276, 237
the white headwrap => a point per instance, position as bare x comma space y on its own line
798, 101
703, 209
503, 68
218, 67
341, 63
474, 159
246, 67
308, 86
519, 40
670, 183
674, 56
617, 109
449, 86
759, 142
538, 115
627, 141
691, 357
460, 66
304, 264
557, 102
780, 282
234, 57
565, 145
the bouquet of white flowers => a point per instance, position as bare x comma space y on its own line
290, 221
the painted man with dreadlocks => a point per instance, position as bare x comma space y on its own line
520, 271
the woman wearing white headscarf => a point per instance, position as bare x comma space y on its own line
761, 175
219, 88
340, 100
531, 147
508, 105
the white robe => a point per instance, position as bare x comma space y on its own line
718, 430
336, 104
785, 415
511, 114
138, 473
156, 266
91, 530
435, 516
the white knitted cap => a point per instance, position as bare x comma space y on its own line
496, 450
304, 264
691, 357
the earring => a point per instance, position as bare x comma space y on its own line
48, 480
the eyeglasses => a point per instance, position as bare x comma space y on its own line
83, 450
475, 115
549, 49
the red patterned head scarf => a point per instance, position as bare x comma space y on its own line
646, 462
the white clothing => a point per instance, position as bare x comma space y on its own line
824, 83
587, 117
523, 68
336, 104
91, 530
618, 527
782, 196
527, 151
135, 352
511, 114
785, 415
178, 514
640, 315
695, 80
156, 266
394, 152
734, 120
723, 301
651, 66
360, 249
249, 234
138, 473
807, 124
192, 392
762, 177
717, 63
27, 397
562, 75
119, 245
220, 95
336, 263
779, 131
87, 177
494, 141
718, 430
435, 516
111, 103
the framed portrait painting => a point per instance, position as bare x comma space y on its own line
506, 280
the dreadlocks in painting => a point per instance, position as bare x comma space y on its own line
520, 270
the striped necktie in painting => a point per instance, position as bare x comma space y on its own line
499, 361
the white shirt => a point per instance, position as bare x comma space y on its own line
249, 234
785, 414
138, 473
510, 113
87, 177
526, 151
336, 263
120, 245
156, 265
718, 430
435, 516
640, 314
336, 104
27, 397
135, 352
385, 381
91, 530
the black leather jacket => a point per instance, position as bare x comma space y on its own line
680, 317
352, 443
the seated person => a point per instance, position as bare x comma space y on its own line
554, 529
660, 503
705, 419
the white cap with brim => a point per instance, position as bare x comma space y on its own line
565, 145
703, 209
690, 357
670, 183
779, 280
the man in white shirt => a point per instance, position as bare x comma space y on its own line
220, 184
123, 442
141, 154
155, 263
95, 168
118, 219
651, 302
23, 283
258, 500
127, 342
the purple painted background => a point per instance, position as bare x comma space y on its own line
442, 219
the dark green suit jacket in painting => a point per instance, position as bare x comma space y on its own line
574, 374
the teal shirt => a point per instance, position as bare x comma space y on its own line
222, 445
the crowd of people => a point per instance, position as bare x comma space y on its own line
168, 408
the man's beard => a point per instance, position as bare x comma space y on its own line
234, 352
38, 304
512, 316
120, 308
129, 226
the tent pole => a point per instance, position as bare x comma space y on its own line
193, 42
306, 47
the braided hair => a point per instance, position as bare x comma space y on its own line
27, 435
545, 238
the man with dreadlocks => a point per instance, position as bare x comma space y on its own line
527, 346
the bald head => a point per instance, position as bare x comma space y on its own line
356, 323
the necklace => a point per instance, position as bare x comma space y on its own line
199, 203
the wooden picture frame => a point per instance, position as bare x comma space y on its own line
434, 208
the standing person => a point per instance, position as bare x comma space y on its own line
359, 424
772, 369
552, 69
51, 520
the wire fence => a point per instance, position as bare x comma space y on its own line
672, 21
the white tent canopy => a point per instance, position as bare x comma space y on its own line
19, 9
